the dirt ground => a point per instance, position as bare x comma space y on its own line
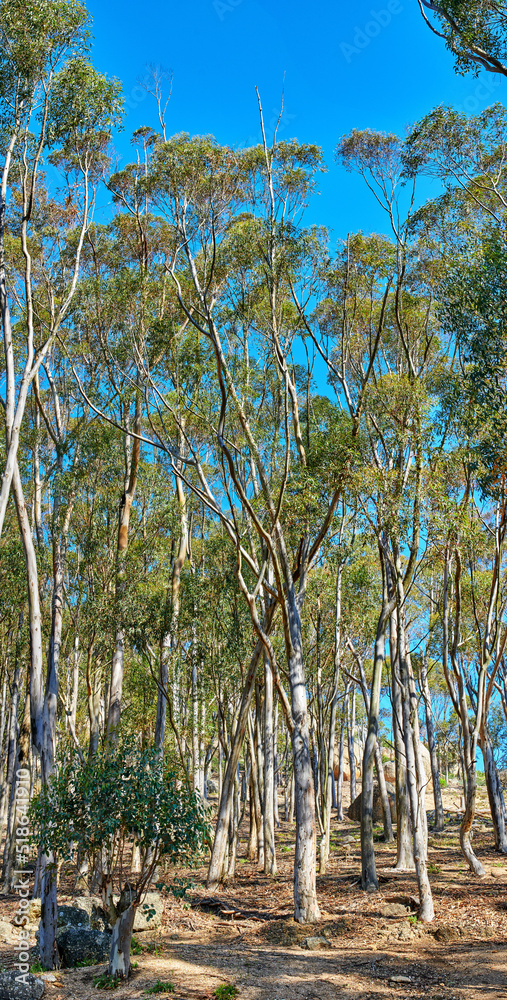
361, 955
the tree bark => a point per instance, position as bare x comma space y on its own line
438, 825
495, 793
215, 869
306, 909
369, 879
269, 773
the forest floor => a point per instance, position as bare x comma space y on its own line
362, 954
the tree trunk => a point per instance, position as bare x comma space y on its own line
404, 848
438, 825
415, 779
216, 864
121, 940
306, 909
116, 682
351, 725
369, 879
329, 777
339, 784
269, 773
465, 832
495, 793
384, 797
34, 613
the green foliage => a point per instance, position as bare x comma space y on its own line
84, 103
121, 792
136, 947
227, 991
181, 886
475, 31
106, 982
159, 987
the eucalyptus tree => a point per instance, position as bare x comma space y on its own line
235, 241
474, 31
402, 322
53, 103
49, 87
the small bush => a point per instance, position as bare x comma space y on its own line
225, 992
106, 982
136, 947
159, 987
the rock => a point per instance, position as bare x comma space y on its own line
97, 919
354, 810
79, 945
411, 902
400, 979
212, 787
8, 932
49, 977
17, 985
406, 932
313, 943
390, 767
446, 934
426, 759
72, 916
149, 912
390, 771
394, 910
34, 911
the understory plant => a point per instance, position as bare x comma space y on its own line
95, 808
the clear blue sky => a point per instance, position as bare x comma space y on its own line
384, 77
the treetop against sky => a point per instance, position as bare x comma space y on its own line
340, 66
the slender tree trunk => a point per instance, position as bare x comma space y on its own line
415, 780
328, 784
495, 793
351, 725
306, 909
49, 909
438, 825
369, 879
384, 797
121, 940
269, 773
404, 848
221, 832
34, 614
256, 802
339, 784
465, 833
116, 682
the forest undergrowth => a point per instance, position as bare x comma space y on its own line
245, 937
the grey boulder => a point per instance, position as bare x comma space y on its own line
354, 810
72, 916
149, 913
80, 945
15, 985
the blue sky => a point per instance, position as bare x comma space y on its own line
346, 66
